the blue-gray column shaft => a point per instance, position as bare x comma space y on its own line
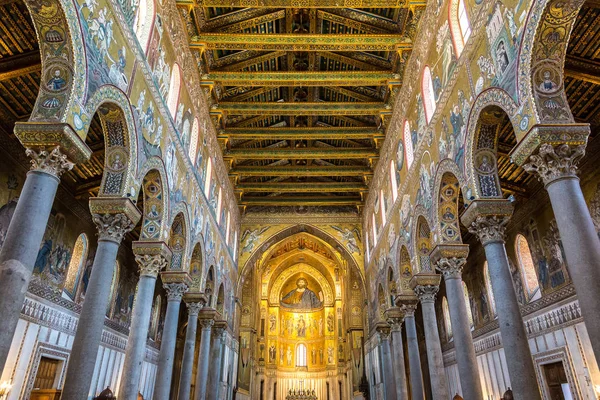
437, 373
214, 379
414, 359
164, 374
20, 249
203, 359
185, 381
582, 250
138, 336
466, 359
91, 323
514, 339
398, 361
388, 369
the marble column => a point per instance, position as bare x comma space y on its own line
114, 217
449, 259
176, 283
389, 387
194, 302
151, 258
24, 235
556, 166
395, 317
426, 286
487, 219
206, 318
214, 378
417, 391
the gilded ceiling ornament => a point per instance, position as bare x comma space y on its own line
112, 227
52, 162
555, 162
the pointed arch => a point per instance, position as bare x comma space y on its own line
143, 22
177, 241
174, 90
193, 151
76, 265
428, 94
423, 244
460, 27
196, 267
406, 272
220, 306
408, 144
527, 267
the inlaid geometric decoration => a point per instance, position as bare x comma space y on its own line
177, 242
153, 205
423, 245
448, 209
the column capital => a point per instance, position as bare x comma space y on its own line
487, 218
151, 256
554, 135
426, 286
38, 137
219, 329
175, 291
408, 303
206, 324
383, 329
450, 259
50, 161
395, 317
194, 308
195, 297
114, 217
554, 162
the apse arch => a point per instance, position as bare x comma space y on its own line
301, 268
258, 253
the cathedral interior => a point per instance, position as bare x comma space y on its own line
300, 199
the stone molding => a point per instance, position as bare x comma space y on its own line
175, 290
114, 217
555, 162
52, 162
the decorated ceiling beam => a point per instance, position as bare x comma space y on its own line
297, 170
252, 22
365, 66
306, 153
304, 78
353, 23
302, 187
253, 61
304, 3
582, 69
295, 109
350, 93
301, 133
299, 42
250, 93
301, 200
15, 66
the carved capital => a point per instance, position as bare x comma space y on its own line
426, 293
489, 228
150, 264
112, 227
383, 330
52, 162
451, 267
409, 310
555, 162
394, 317
206, 324
194, 309
175, 291
114, 217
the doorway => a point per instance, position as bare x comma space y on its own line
556, 381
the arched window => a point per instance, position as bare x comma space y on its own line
382, 207
114, 285
488, 287
460, 28
142, 24
154, 319
408, 145
76, 265
174, 88
393, 180
530, 280
219, 205
208, 177
301, 355
446, 315
428, 94
194, 141
374, 229
468, 303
